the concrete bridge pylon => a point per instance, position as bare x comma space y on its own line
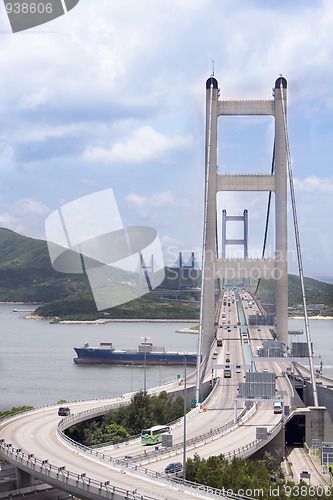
214, 267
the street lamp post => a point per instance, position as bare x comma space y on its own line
145, 364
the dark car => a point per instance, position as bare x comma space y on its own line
173, 467
64, 411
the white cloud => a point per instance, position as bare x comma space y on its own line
26, 216
125, 83
28, 206
33, 99
143, 145
37, 132
157, 210
156, 200
314, 184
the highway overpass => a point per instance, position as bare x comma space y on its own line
35, 444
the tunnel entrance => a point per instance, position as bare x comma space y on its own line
295, 431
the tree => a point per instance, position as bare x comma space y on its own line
139, 413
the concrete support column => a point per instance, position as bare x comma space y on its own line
246, 233
318, 425
281, 235
224, 233
210, 215
23, 479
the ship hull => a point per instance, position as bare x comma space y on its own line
108, 357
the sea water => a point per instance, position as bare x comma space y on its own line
36, 357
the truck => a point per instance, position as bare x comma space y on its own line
277, 407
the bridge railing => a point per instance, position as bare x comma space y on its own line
217, 432
48, 471
246, 449
74, 482
96, 412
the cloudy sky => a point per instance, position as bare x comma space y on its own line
112, 95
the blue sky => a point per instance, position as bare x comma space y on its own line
113, 95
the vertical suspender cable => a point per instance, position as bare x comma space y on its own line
204, 243
299, 255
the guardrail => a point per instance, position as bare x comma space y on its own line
244, 451
123, 442
104, 490
142, 470
75, 418
71, 481
189, 443
53, 474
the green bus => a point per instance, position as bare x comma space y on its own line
154, 434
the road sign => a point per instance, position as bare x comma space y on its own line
258, 385
327, 455
167, 440
261, 433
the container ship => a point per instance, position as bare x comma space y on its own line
147, 353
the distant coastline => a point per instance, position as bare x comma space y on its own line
311, 317
103, 321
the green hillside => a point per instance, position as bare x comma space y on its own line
26, 274
316, 292
81, 306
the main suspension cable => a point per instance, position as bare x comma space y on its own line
267, 216
299, 254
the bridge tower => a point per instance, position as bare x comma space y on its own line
183, 266
214, 267
225, 241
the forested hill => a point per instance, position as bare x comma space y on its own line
317, 292
26, 275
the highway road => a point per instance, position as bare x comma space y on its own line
299, 461
36, 432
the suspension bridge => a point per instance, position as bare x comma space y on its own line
243, 363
